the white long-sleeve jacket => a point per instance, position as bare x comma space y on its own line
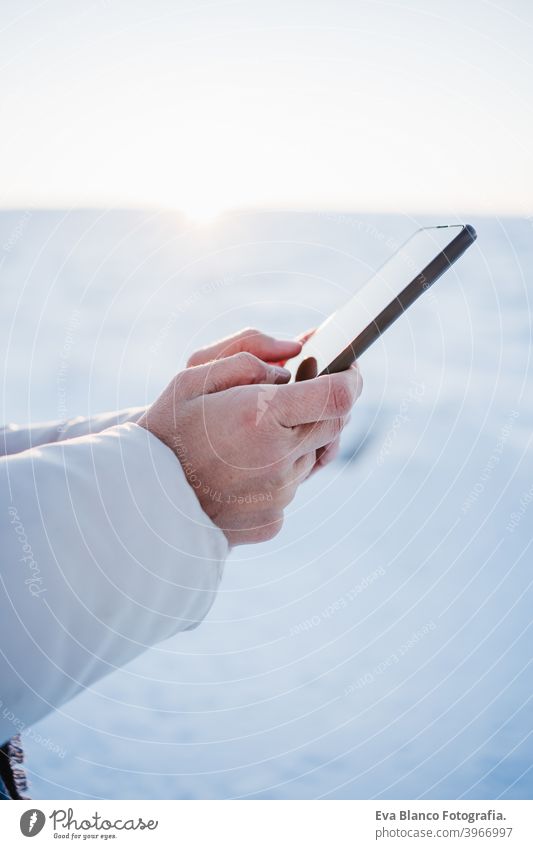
105, 550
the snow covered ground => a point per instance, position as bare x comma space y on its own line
381, 646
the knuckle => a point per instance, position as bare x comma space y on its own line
194, 360
248, 362
245, 336
344, 395
248, 331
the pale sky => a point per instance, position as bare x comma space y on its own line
407, 105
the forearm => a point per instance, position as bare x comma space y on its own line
106, 551
15, 438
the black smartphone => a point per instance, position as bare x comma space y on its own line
349, 331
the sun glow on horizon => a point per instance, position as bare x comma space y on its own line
202, 212
205, 114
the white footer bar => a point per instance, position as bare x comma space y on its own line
269, 824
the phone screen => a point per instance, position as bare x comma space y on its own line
347, 324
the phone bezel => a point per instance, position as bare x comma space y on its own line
407, 296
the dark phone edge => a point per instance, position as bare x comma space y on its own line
407, 296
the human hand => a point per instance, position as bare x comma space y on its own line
270, 350
245, 440
264, 347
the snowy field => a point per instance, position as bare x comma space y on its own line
381, 646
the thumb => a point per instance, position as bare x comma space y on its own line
241, 369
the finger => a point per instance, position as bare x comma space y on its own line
306, 335
307, 369
263, 346
329, 396
310, 437
238, 370
304, 466
302, 338
326, 455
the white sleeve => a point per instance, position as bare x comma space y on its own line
105, 551
15, 438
